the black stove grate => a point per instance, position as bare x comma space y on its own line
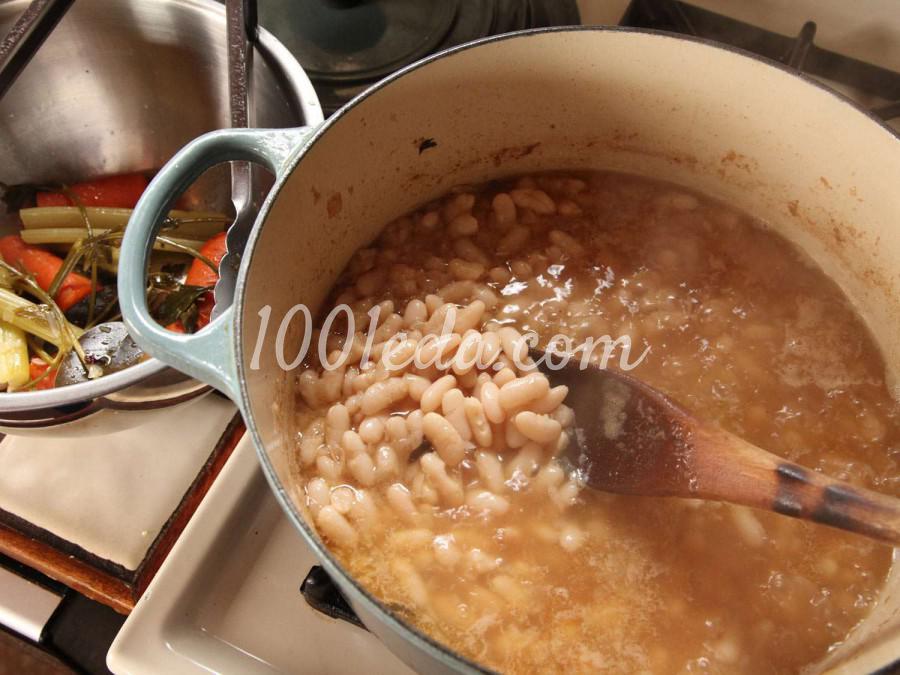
798, 52
321, 594
346, 46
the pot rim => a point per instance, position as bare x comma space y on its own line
303, 100
434, 648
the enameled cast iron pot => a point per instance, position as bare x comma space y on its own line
756, 135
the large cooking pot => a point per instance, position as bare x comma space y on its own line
120, 86
754, 134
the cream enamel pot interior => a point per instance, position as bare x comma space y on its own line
819, 170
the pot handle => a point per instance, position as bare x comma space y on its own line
207, 355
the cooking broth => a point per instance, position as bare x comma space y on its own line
438, 489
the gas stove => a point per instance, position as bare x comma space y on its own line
240, 592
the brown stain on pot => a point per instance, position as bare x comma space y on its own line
735, 159
843, 241
334, 205
513, 153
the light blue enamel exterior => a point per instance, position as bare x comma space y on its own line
209, 354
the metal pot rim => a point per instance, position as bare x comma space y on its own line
297, 85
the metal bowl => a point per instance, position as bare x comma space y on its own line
120, 86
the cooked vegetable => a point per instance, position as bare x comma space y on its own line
116, 191
47, 301
44, 266
199, 225
39, 320
202, 275
14, 367
43, 375
70, 235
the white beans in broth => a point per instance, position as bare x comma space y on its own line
437, 486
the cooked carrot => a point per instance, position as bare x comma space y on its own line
37, 368
43, 265
200, 274
113, 191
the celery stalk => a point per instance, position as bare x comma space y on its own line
69, 235
14, 370
197, 224
24, 314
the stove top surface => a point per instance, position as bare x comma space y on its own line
345, 46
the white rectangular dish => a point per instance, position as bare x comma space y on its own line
228, 600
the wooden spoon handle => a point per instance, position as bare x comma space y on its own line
803, 493
766, 481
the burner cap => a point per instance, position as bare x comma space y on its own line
347, 41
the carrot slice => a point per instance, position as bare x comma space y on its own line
36, 368
200, 273
43, 265
113, 191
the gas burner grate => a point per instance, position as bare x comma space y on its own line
874, 87
347, 46
321, 593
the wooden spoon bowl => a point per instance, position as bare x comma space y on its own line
630, 438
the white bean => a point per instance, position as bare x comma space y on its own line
469, 317
329, 468
536, 200
449, 489
490, 401
464, 225
463, 270
477, 422
337, 421
452, 407
488, 502
444, 437
516, 393
335, 527
446, 552
362, 468
550, 401
490, 471
526, 462
538, 428
382, 395
352, 443
416, 312
342, 498
513, 240
411, 582
431, 398
461, 203
416, 385
371, 430
401, 501
466, 249
386, 463
504, 208
318, 494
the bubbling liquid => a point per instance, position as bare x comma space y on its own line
438, 489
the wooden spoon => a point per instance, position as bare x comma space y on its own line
631, 439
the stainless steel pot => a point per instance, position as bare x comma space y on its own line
119, 86
764, 139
